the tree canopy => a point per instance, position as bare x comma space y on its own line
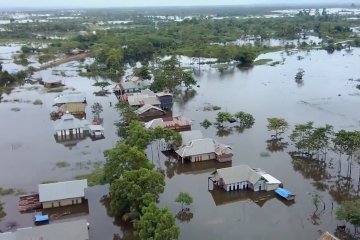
350, 212
184, 198
279, 125
134, 190
156, 224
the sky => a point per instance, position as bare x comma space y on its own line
139, 3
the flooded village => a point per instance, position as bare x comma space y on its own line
94, 145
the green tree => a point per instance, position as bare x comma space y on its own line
184, 198
301, 135
2, 213
299, 76
96, 109
350, 212
134, 190
279, 125
123, 158
156, 224
347, 142
102, 84
245, 119
223, 117
142, 72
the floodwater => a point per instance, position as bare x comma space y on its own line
328, 95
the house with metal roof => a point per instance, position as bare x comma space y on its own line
60, 194
134, 85
51, 83
189, 136
70, 98
68, 125
203, 150
96, 130
244, 177
73, 230
149, 111
178, 123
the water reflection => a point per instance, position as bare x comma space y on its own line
173, 166
222, 197
183, 97
276, 145
184, 215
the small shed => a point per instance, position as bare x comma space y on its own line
96, 130
149, 111
62, 193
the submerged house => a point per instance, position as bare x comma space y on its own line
72, 230
166, 99
149, 111
68, 125
203, 150
61, 194
52, 83
73, 108
243, 177
134, 85
70, 98
96, 131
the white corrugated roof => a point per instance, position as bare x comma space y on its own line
73, 230
197, 147
270, 179
68, 121
157, 122
70, 98
146, 108
95, 127
62, 190
238, 173
188, 136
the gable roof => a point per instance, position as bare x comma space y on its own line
140, 99
157, 122
197, 147
62, 190
68, 121
146, 108
73, 230
70, 98
240, 173
327, 236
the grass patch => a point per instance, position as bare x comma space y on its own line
38, 102
4, 192
262, 61
55, 90
2, 213
206, 123
48, 181
93, 178
264, 154
15, 109
62, 164
211, 108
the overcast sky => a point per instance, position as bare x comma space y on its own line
137, 3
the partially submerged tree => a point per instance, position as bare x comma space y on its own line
96, 109
134, 190
184, 198
279, 125
142, 72
223, 117
102, 85
123, 158
349, 211
245, 120
156, 224
299, 76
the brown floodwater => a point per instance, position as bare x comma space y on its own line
326, 96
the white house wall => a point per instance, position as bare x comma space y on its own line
203, 157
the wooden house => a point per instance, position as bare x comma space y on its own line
61, 194
75, 108
203, 150
243, 177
